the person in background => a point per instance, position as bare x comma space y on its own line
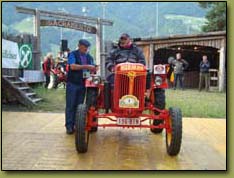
170, 72
179, 66
80, 62
204, 73
48, 64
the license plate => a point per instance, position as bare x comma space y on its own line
128, 121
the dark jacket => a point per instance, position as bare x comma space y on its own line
179, 66
76, 76
204, 67
122, 55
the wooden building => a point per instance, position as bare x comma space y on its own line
192, 47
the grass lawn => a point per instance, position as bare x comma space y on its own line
197, 104
53, 99
191, 102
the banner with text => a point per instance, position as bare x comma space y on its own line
10, 54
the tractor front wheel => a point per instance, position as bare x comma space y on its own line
173, 138
159, 95
81, 134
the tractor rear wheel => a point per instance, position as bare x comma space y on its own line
81, 134
91, 100
160, 102
173, 138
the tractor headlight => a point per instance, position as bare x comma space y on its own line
96, 80
158, 80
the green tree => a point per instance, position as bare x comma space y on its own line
216, 16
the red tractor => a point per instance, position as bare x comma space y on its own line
125, 105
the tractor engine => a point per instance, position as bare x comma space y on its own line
129, 89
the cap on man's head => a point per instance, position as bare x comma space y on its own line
84, 42
124, 35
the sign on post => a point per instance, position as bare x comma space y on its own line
68, 24
25, 53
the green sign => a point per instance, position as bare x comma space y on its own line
25, 54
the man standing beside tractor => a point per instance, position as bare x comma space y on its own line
80, 63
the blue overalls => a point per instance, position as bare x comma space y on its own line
75, 90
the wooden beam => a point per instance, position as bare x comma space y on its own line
151, 57
100, 57
171, 41
222, 70
37, 33
66, 16
25, 10
212, 35
98, 47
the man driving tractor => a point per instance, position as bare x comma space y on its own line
125, 52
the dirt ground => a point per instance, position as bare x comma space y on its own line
37, 141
